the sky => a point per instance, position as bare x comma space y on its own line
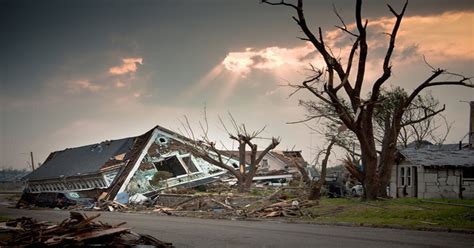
74, 73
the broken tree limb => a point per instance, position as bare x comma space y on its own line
223, 204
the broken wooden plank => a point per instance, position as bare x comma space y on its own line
100, 233
223, 204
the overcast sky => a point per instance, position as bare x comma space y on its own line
74, 73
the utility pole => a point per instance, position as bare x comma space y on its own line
471, 125
470, 134
32, 161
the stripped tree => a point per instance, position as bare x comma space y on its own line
332, 84
206, 149
333, 137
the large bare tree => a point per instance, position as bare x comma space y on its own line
249, 162
332, 85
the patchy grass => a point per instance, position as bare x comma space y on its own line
411, 213
3, 218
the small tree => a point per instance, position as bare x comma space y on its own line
314, 187
245, 171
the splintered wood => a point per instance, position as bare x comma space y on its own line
230, 206
77, 230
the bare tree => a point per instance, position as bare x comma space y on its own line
434, 129
314, 187
245, 171
332, 84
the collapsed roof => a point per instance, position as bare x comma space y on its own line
82, 160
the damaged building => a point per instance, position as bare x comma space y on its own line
122, 167
434, 171
274, 161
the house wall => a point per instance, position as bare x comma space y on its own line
468, 186
273, 164
441, 182
406, 187
393, 182
70, 184
433, 182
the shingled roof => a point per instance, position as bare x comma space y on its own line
81, 160
439, 156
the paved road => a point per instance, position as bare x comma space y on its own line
194, 232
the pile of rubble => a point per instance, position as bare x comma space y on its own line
77, 230
275, 205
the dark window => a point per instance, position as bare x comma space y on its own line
402, 176
189, 163
409, 176
468, 172
172, 165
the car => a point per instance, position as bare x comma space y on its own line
56, 199
357, 190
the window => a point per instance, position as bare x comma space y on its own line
402, 176
408, 176
171, 164
405, 176
265, 163
468, 173
189, 163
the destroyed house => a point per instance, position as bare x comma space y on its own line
123, 166
274, 161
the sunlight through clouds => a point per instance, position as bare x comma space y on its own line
444, 37
128, 65
267, 59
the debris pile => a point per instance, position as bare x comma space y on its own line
274, 205
289, 208
111, 206
77, 230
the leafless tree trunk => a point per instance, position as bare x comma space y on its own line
330, 85
314, 187
246, 169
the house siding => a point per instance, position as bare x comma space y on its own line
433, 182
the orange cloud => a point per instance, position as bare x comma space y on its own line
83, 85
441, 37
129, 65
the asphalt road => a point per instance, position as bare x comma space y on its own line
195, 232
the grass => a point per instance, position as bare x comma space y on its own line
3, 218
411, 213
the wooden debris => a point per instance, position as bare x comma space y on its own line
222, 204
77, 230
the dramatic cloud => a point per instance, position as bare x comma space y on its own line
444, 37
129, 65
267, 59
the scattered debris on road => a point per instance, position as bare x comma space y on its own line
77, 230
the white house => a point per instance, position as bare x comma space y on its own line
445, 171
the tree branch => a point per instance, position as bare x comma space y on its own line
425, 117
